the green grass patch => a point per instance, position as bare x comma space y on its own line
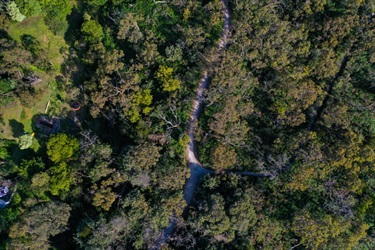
50, 43
17, 119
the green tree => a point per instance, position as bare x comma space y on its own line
129, 29
61, 147
95, 157
139, 161
92, 30
7, 87
242, 213
212, 219
14, 59
224, 157
96, 2
25, 141
14, 12
165, 76
315, 232
56, 12
104, 233
103, 197
60, 178
142, 157
268, 233
4, 154
29, 7
36, 226
40, 184
174, 53
29, 167
141, 102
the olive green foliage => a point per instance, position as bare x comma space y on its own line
164, 74
29, 7
214, 220
6, 90
61, 147
37, 225
224, 158
140, 105
56, 12
29, 167
60, 178
92, 31
3, 152
139, 161
96, 2
14, 60
129, 29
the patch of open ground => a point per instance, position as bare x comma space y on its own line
52, 44
16, 119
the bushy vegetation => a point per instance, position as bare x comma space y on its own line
290, 96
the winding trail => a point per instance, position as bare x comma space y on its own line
196, 168
197, 171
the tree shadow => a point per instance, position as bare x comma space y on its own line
30, 43
73, 70
19, 154
17, 128
2, 122
4, 34
75, 20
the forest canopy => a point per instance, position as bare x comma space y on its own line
216, 124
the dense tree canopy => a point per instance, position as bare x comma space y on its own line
104, 104
61, 147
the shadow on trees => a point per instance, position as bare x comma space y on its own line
73, 69
75, 20
4, 34
2, 122
19, 154
30, 43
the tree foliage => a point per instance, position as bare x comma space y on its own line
14, 12
169, 83
38, 225
290, 90
56, 13
92, 31
61, 147
25, 141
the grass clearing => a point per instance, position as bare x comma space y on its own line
15, 118
18, 119
35, 26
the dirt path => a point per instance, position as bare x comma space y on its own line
197, 171
196, 168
